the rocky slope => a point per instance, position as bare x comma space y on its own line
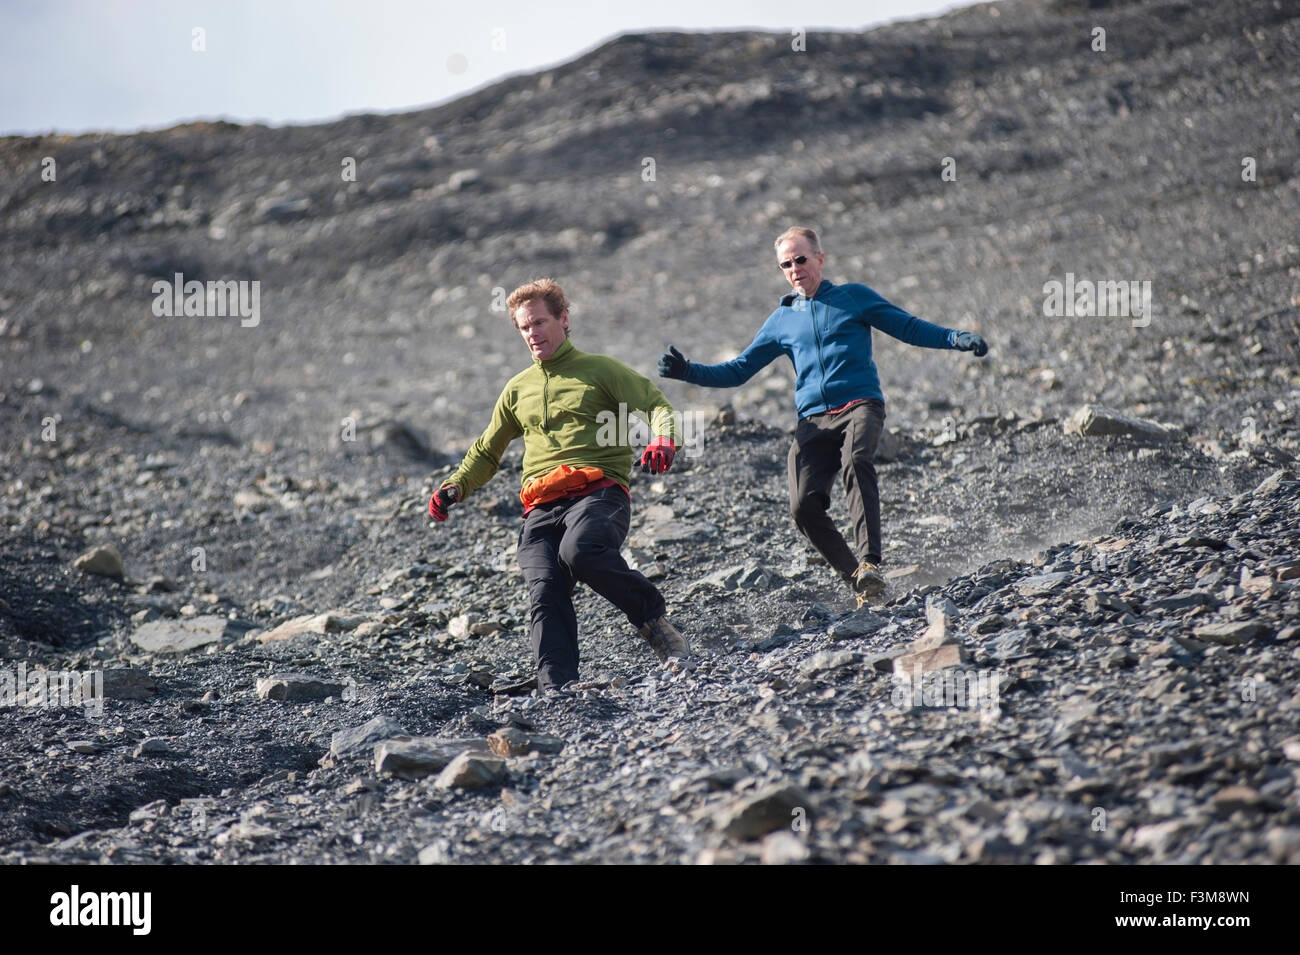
1131, 600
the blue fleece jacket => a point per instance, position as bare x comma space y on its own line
828, 339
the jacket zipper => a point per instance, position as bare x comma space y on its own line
546, 405
820, 362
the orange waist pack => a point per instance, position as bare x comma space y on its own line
561, 482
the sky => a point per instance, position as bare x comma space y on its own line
74, 66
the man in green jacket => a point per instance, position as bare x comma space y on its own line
571, 410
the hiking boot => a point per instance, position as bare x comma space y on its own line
664, 639
867, 583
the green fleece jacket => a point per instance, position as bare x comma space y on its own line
567, 408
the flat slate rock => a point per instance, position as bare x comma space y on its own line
1230, 634
293, 687
748, 576
1094, 420
344, 742
860, 623
319, 623
423, 755
825, 660
179, 636
1041, 583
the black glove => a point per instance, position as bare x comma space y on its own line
966, 341
673, 364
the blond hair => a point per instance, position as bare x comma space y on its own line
548, 290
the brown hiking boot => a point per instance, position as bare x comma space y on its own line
664, 639
867, 583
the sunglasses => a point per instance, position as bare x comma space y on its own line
797, 260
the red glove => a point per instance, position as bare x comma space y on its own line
442, 499
658, 455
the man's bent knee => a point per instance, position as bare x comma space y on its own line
811, 504
582, 556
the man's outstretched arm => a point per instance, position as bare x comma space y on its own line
880, 313
480, 462
762, 351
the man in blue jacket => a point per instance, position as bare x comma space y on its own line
825, 330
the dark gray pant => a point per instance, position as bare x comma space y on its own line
569, 541
826, 445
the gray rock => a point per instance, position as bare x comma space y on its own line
941, 613
1171, 689
1231, 634
779, 637
158, 809
748, 576
390, 186
294, 687
1178, 602
127, 683
1094, 420
1166, 754
179, 636
104, 561
423, 755
84, 746
1118, 658
1041, 584
777, 807
783, 848
885, 661
916, 662
860, 623
678, 532
345, 742
1271, 483
1159, 838
153, 746
459, 625
1235, 797
403, 437
332, 621
472, 771
252, 832
274, 209
827, 660
511, 741
464, 179
1105, 603
437, 852
890, 446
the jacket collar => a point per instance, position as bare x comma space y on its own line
789, 298
561, 355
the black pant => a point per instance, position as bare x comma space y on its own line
564, 542
825, 445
